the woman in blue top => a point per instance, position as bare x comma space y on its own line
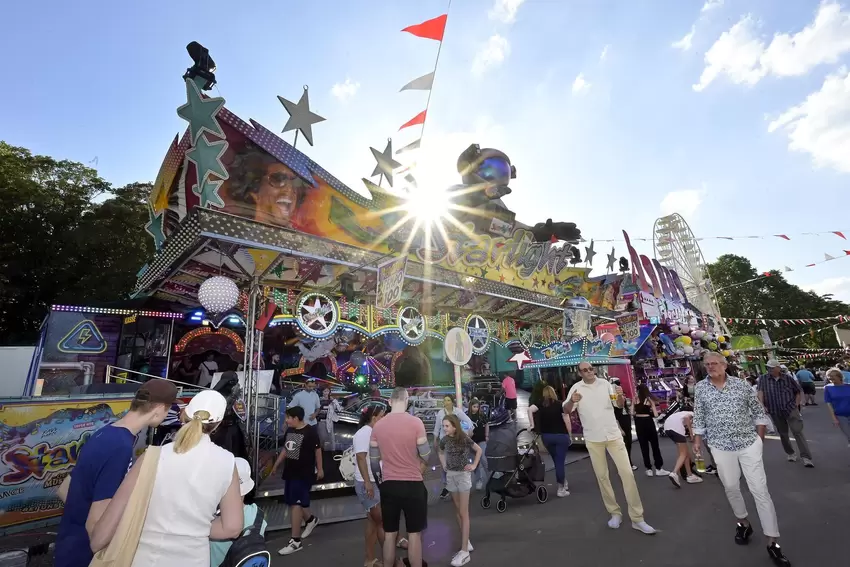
837, 398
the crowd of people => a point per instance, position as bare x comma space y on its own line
183, 503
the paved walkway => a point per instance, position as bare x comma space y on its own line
696, 521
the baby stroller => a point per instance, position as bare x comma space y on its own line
512, 475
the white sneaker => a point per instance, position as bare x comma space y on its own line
693, 479
644, 528
460, 558
634, 467
310, 526
792, 458
649, 472
661, 472
615, 522
290, 548
562, 492
479, 485
469, 547
674, 478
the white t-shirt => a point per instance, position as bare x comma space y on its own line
596, 411
361, 445
207, 368
676, 422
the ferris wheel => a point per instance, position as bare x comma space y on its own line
677, 248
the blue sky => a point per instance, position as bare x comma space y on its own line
734, 113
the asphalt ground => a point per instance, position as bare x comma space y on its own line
695, 522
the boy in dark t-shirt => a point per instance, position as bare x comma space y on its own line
301, 460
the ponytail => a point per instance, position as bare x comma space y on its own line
191, 433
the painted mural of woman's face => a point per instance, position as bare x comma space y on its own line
277, 198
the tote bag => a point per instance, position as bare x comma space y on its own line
122, 549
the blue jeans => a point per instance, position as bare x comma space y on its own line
557, 444
844, 424
481, 473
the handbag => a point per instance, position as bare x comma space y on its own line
122, 548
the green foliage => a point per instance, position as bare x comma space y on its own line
66, 236
772, 298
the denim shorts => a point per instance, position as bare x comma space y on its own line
365, 501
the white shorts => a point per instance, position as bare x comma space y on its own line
458, 481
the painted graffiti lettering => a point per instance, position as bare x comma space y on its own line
49, 432
13, 492
36, 462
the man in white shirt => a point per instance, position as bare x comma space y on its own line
309, 401
594, 400
207, 369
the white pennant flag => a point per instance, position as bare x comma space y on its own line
827, 257
787, 269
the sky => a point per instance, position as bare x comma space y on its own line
733, 113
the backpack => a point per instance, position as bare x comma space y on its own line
249, 549
347, 464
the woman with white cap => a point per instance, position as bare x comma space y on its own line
194, 478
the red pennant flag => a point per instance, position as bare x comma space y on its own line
847, 252
431, 29
839, 233
418, 119
809, 265
553, 239
785, 236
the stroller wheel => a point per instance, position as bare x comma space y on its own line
542, 494
501, 506
485, 502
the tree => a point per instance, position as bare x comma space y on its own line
771, 297
61, 241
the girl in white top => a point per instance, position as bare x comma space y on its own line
194, 478
679, 428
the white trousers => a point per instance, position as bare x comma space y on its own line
729, 465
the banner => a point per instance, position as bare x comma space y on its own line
39, 445
629, 324
390, 282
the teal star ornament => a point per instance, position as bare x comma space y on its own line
208, 193
154, 226
201, 112
207, 158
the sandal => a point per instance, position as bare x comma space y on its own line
402, 543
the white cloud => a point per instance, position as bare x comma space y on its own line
604, 55
346, 90
505, 10
686, 42
839, 288
711, 5
820, 125
742, 56
580, 85
685, 202
491, 54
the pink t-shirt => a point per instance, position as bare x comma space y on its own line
509, 386
396, 436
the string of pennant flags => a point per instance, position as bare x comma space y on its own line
810, 333
781, 322
839, 233
814, 350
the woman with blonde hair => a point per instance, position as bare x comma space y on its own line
553, 424
194, 478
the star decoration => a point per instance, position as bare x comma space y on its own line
501, 278
534, 283
589, 253
201, 112
386, 163
208, 193
483, 272
154, 226
612, 258
413, 325
315, 309
309, 272
207, 158
301, 118
521, 358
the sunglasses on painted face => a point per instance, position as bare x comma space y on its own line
494, 169
279, 180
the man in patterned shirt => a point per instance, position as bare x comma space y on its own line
725, 410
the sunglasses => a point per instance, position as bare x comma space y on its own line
585, 369
279, 179
494, 169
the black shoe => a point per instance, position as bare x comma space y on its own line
743, 533
776, 554
710, 469
444, 495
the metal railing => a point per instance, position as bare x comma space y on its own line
122, 375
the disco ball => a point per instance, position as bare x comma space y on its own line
218, 294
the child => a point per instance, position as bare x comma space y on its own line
302, 465
678, 428
455, 447
219, 549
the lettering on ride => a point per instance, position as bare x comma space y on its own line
310, 318
518, 252
36, 462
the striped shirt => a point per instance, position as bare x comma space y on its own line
780, 394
